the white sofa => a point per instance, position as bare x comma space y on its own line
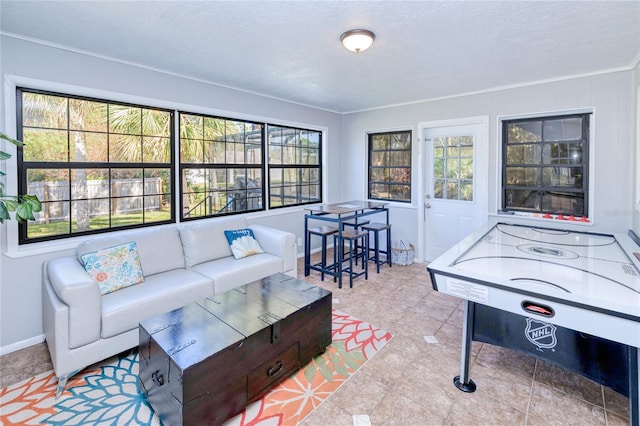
181, 264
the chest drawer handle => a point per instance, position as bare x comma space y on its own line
272, 371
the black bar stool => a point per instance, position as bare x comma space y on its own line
353, 236
357, 225
323, 232
377, 228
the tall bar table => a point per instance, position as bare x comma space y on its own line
338, 213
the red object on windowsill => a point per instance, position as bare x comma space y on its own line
547, 216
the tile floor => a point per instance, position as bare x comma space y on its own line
409, 382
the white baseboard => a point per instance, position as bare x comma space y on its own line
21, 345
315, 250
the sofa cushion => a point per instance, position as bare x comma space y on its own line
228, 273
114, 268
160, 248
242, 242
279, 243
123, 310
205, 240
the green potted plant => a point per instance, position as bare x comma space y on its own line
23, 205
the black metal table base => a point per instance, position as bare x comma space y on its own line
629, 385
468, 387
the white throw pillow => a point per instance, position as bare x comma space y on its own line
242, 242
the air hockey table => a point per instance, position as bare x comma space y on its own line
569, 297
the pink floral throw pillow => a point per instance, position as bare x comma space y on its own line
114, 268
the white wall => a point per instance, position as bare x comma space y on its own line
20, 278
611, 95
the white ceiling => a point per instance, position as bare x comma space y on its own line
291, 50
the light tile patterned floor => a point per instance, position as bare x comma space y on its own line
410, 381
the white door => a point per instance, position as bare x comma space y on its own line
455, 200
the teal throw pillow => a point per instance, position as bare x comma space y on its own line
243, 243
114, 268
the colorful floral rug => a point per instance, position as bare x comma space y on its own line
108, 394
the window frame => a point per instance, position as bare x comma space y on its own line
370, 136
18, 249
218, 166
271, 167
586, 162
23, 166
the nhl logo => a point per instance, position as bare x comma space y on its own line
541, 334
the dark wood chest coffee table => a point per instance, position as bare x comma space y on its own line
203, 363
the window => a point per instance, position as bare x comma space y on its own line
221, 166
545, 164
390, 166
453, 167
100, 165
294, 166
95, 165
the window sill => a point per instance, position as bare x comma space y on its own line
538, 219
16, 251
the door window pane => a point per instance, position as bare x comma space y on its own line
453, 160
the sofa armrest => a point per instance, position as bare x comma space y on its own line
81, 294
277, 242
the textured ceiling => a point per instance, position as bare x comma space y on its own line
291, 50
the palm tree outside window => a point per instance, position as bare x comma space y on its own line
95, 165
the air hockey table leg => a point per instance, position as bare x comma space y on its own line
634, 386
463, 382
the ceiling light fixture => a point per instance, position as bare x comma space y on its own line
357, 40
